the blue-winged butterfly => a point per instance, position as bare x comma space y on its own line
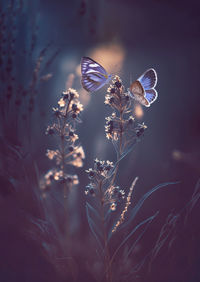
143, 89
94, 76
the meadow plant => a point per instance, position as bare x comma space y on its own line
69, 151
109, 203
57, 183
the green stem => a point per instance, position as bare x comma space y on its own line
120, 147
107, 264
62, 166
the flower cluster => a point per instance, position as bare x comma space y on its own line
69, 151
127, 129
57, 176
74, 155
101, 170
69, 106
121, 127
99, 176
116, 96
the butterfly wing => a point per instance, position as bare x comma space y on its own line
143, 90
137, 93
148, 79
88, 65
151, 95
92, 83
94, 76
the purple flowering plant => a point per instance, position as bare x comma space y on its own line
109, 210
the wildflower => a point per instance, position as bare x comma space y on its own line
117, 81
116, 96
77, 107
113, 207
113, 194
57, 112
78, 157
71, 148
131, 119
128, 202
49, 177
80, 153
74, 116
112, 127
140, 129
91, 172
70, 94
62, 102
50, 130
72, 136
102, 168
68, 152
70, 180
125, 129
90, 189
98, 176
58, 175
51, 154
108, 165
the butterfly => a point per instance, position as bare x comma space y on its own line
94, 76
143, 89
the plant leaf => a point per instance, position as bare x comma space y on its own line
132, 232
93, 210
141, 201
149, 220
93, 226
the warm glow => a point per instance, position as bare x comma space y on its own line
84, 97
78, 70
110, 56
70, 80
138, 111
177, 155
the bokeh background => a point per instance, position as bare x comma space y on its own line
126, 37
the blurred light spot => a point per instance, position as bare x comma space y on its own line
70, 80
84, 97
177, 155
78, 70
138, 111
110, 56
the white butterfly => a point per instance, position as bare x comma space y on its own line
143, 89
94, 76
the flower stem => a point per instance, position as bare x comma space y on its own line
63, 148
107, 264
120, 147
62, 166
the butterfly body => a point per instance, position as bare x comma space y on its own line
94, 76
143, 89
